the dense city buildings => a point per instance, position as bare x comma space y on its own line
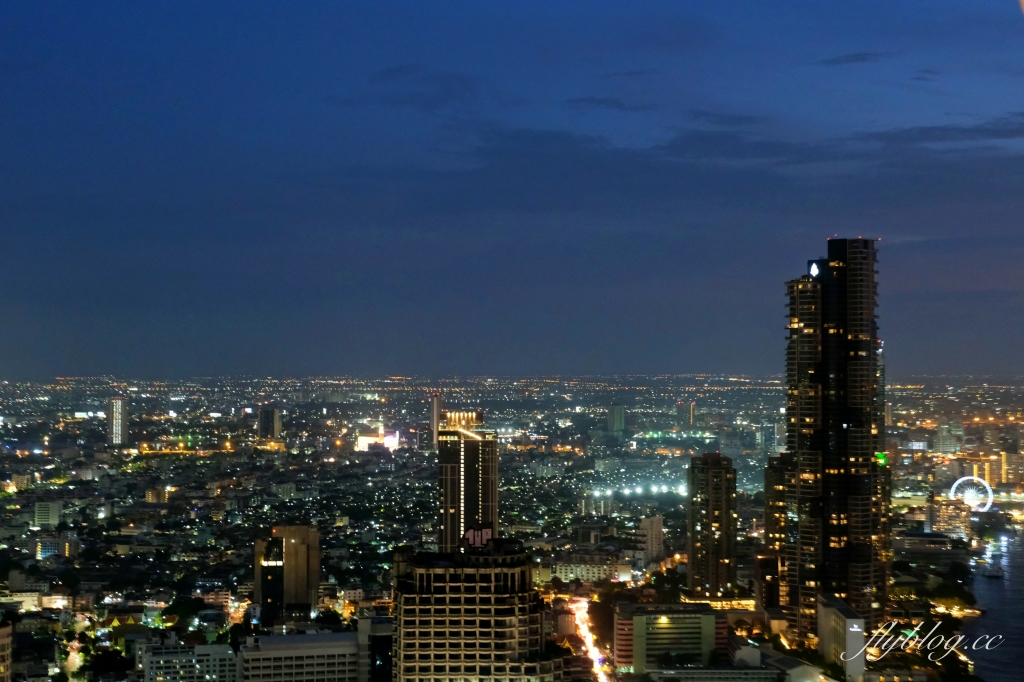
170, 534
712, 526
837, 532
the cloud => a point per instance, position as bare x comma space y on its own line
855, 58
719, 119
1007, 127
613, 103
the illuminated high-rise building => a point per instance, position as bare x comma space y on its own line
287, 580
777, 480
712, 526
837, 498
436, 406
117, 420
269, 425
468, 470
686, 413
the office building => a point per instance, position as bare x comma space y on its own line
616, 418
841, 636
65, 544
468, 615
712, 526
436, 407
47, 514
330, 657
837, 536
183, 663
647, 635
468, 470
375, 634
117, 420
269, 423
287, 580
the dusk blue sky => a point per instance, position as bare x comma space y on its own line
442, 188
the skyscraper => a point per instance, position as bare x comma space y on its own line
778, 478
685, 413
468, 470
287, 580
468, 616
269, 422
712, 526
117, 420
436, 405
837, 497
616, 418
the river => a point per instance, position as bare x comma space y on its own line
1003, 602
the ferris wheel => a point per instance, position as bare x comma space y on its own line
975, 492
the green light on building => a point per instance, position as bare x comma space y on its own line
883, 459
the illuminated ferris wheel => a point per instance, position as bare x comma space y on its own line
975, 492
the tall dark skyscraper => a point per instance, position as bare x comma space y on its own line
712, 526
269, 425
835, 471
436, 406
287, 573
468, 463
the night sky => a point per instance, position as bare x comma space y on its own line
445, 188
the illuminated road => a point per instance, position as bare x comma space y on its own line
579, 609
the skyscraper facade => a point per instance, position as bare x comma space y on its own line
117, 420
616, 418
269, 425
436, 405
472, 615
712, 526
287, 580
468, 463
837, 496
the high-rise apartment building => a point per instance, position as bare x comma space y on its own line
712, 526
269, 424
287, 566
436, 407
650, 535
616, 418
778, 477
468, 463
117, 420
471, 615
837, 498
